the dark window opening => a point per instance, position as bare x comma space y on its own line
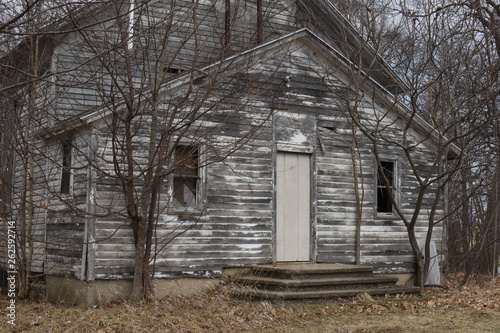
331, 129
186, 176
384, 203
66, 168
172, 70
227, 24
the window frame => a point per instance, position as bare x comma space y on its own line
395, 187
196, 207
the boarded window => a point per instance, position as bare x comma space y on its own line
384, 203
186, 176
66, 168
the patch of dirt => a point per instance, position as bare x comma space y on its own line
474, 308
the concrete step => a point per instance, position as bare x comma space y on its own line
318, 283
308, 271
325, 294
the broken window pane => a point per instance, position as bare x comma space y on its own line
185, 187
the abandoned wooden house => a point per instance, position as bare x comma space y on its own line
272, 117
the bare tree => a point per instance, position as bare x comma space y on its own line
146, 95
447, 70
479, 218
22, 92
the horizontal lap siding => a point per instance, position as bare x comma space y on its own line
335, 206
64, 247
65, 218
57, 229
235, 228
114, 248
384, 242
189, 25
40, 198
237, 224
23, 177
247, 211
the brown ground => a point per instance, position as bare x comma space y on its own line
475, 308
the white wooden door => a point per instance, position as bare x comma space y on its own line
293, 207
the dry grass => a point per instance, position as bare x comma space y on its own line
476, 308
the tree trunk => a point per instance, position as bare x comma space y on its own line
140, 263
419, 258
358, 196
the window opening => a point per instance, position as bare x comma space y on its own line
66, 168
384, 203
186, 176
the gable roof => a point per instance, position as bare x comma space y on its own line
303, 36
344, 36
327, 18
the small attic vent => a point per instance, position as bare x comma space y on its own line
172, 70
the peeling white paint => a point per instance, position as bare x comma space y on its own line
298, 138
